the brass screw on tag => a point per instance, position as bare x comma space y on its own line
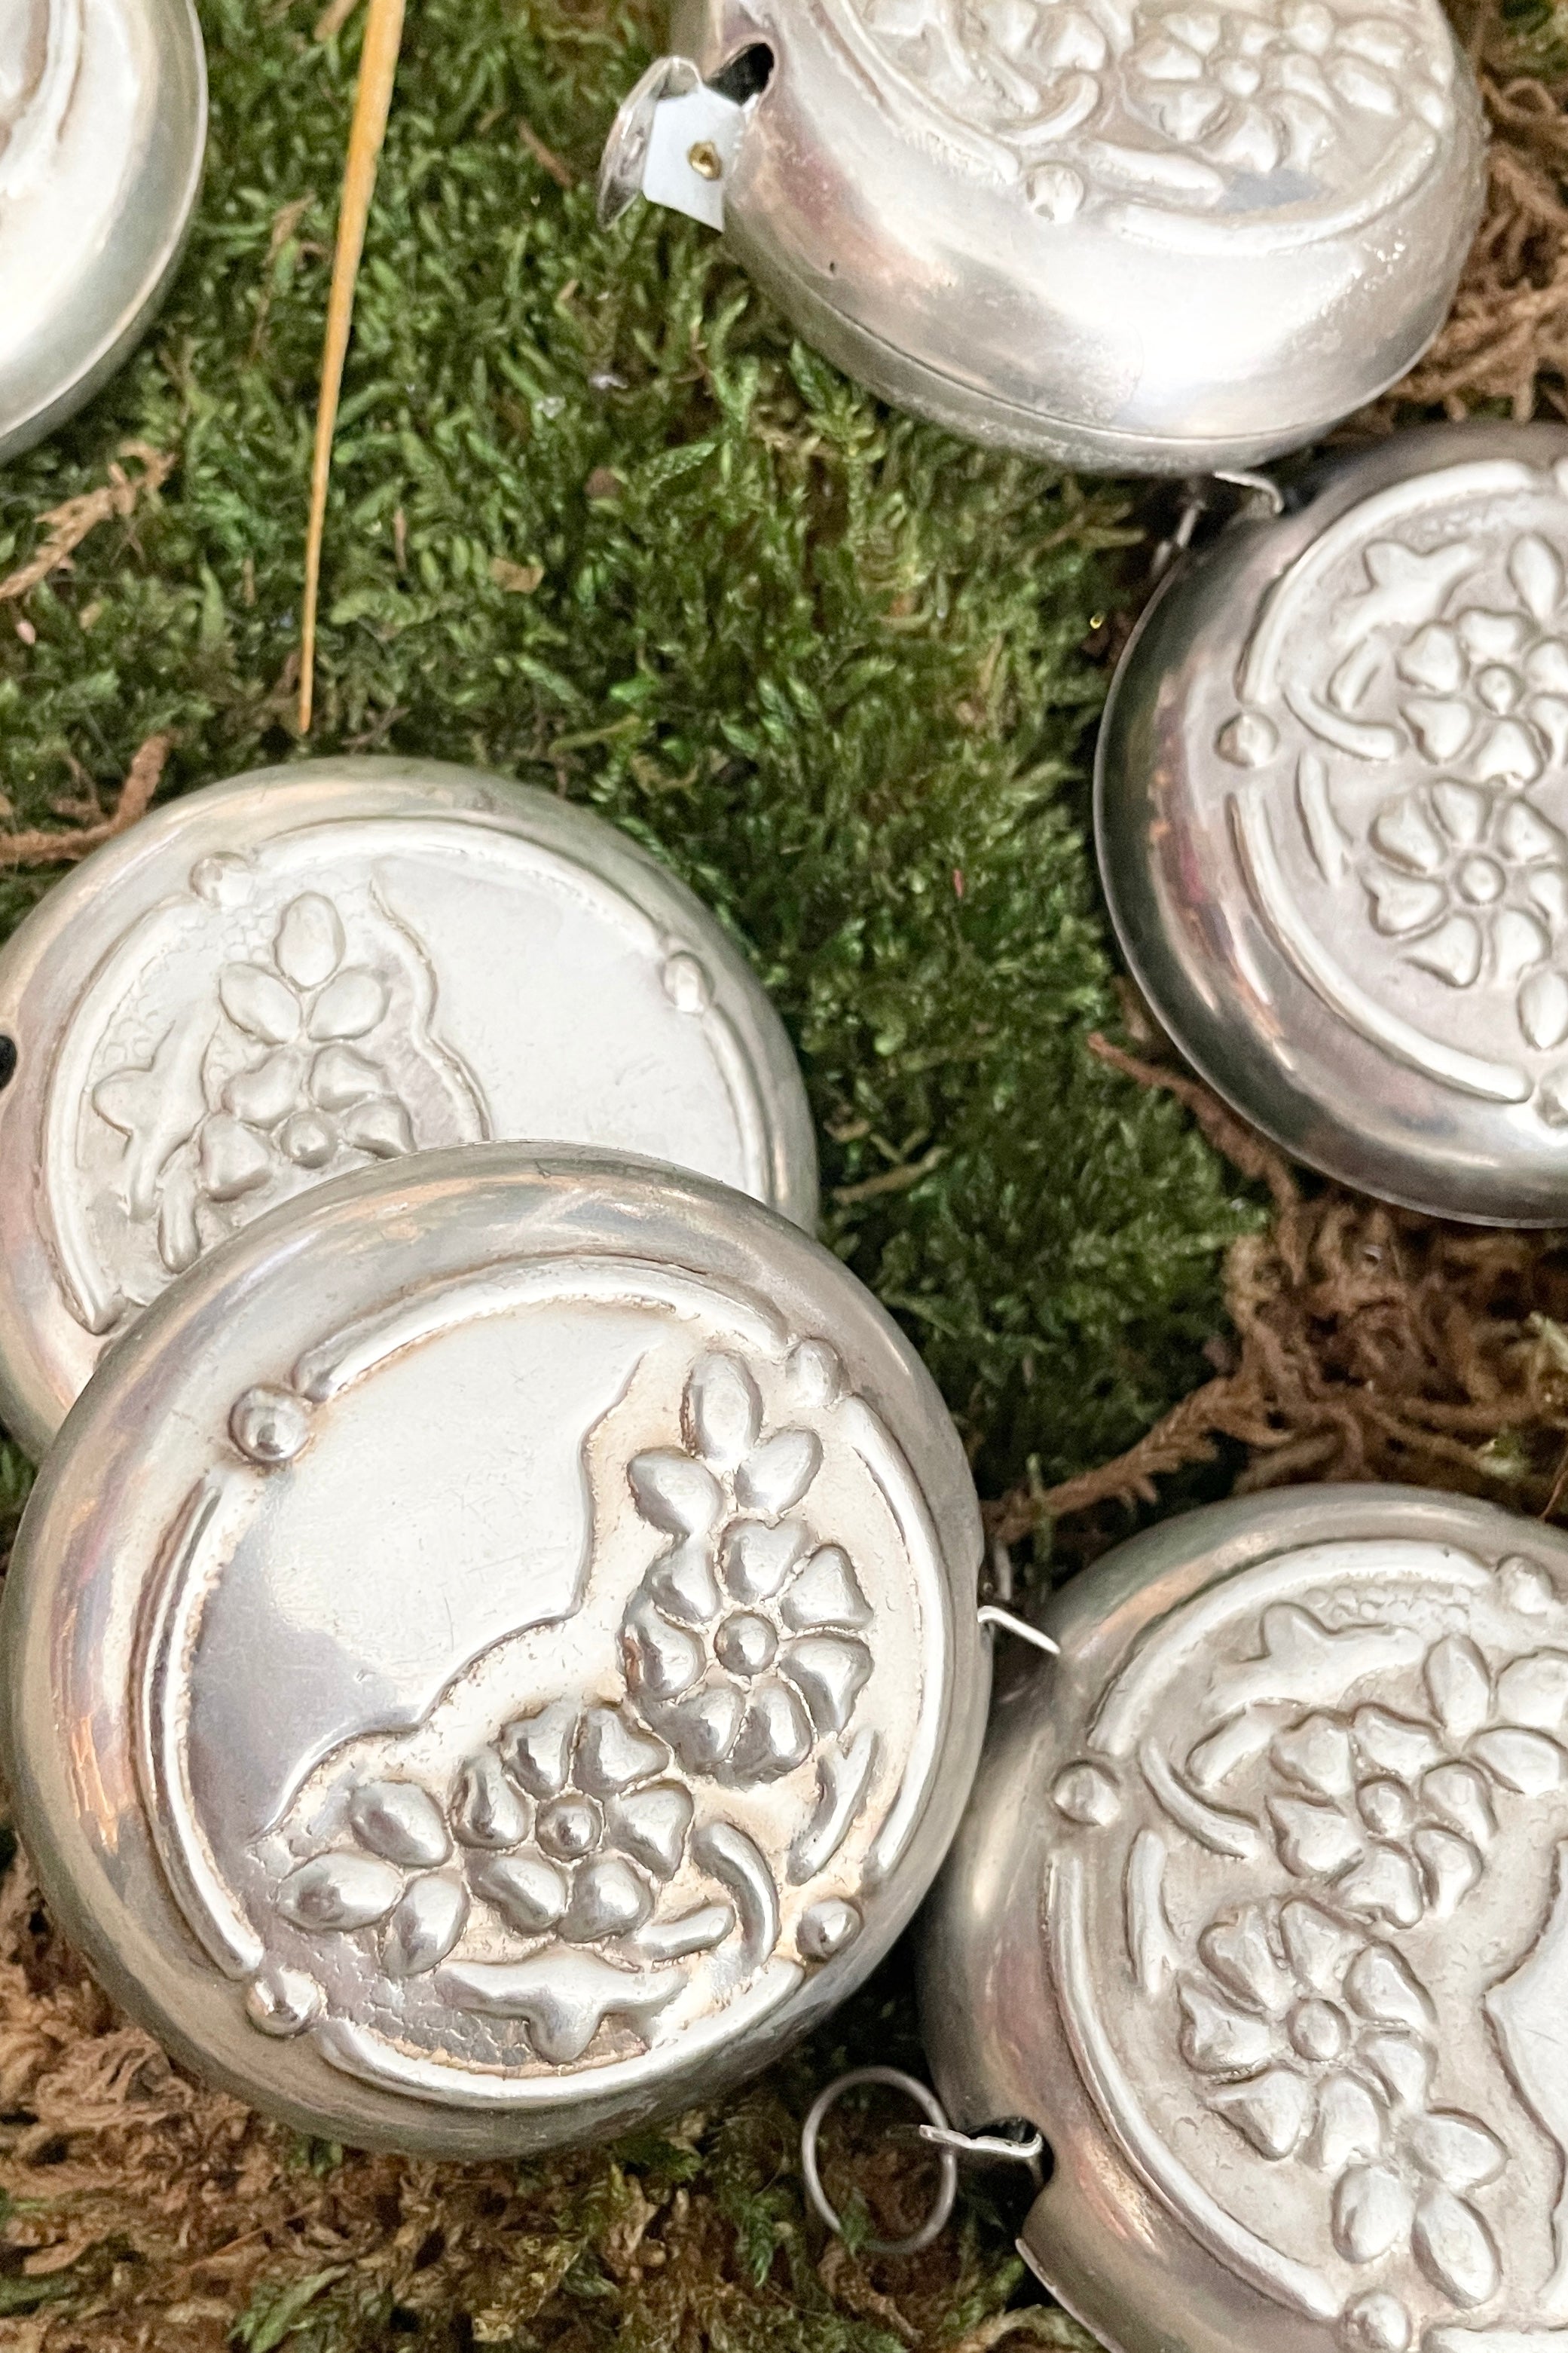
705, 160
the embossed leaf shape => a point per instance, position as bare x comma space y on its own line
425, 1926
339, 1892
722, 1412
1318, 1948
1454, 2247
1458, 1684
563, 1998
1273, 2112
776, 1474
675, 1494
1456, 2151
486, 1810
1373, 2210
758, 1558
1536, 572
829, 1671
529, 1892
1350, 2127
1314, 1841
651, 1826
310, 941
536, 1749
1451, 1864
1238, 1950
1402, 2065
232, 1158
1217, 2038
1460, 1795
1394, 1744
348, 1007
1534, 1691
264, 1095
1544, 1009
1317, 1754
1379, 1987
400, 1821
1526, 1761
668, 1661
612, 1753
826, 1593
258, 1002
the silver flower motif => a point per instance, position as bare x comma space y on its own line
743, 1644
1476, 880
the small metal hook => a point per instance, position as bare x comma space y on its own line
991, 1613
936, 2222
1027, 2150
1263, 486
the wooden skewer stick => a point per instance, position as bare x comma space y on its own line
373, 102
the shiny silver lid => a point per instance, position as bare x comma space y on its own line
1260, 1914
493, 1655
102, 131
274, 981
1157, 236
1332, 812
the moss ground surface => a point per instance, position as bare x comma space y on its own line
599, 523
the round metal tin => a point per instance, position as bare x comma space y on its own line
1159, 236
102, 131
274, 981
1261, 1913
493, 1655
1332, 813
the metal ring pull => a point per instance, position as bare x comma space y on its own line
936, 2222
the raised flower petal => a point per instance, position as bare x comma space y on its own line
1350, 2129
1403, 832
759, 1558
1185, 112
651, 1826
1236, 1950
775, 1736
1518, 940
683, 1586
1546, 667
1384, 1887
401, 1821
1492, 637
1456, 2151
340, 1078
1461, 810
1401, 905
1434, 658
1373, 2210
1461, 1797
1534, 1691
1376, 2323
1161, 57
608, 1899
1451, 1864
1402, 2065
1453, 953
1363, 86
234, 1159
675, 1494
829, 1671
1510, 752
486, 1810
826, 1593
1548, 889
1442, 725
1317, 1754
703, 1728
426, 1925
537, 1749
348, 1007
1458, 1684
1249, 142
775, 1475
614, 1753
668, 1661
1526, 1761
309, 945
529, 1892
1217, 2038
1536, 570
1454, 2247
260, 1003
1525, 837
1548, 714
1379, 1987
340, 1891
1394, 1744
722, 1412
1272, 2113
1319, 1949
381, 1127
265, 1094
1314, 1841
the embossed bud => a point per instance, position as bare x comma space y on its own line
774, 1735
569, 1827
1317, 1754
340, 1078
815, 1373
651, 1826
283, 2003
1316, 1947
1394, 1744
612, 1753
224, 880
1379, 1987
381, 1127
1248, 741
746, 1644
759, 1558
269, 1425
1460, 1795
258, 1002
1085, 1793
826, 1593
1526, 1586
1384, 1886
1459, 1685
1525, 1761
686, 984
697, 1931
675, 1494
1314, 1841
1236, 1948
830, 1671
1536, 572
233, 1160
400, 1821
426, 1925
1534, 1691
1386, 1807
1454, 2247
829, 1927
529, 1893
1452, 1865
1317, 2031
721, 1413
348, 1007
608, 1899
776, 1474
1373, 2210
307, 1140
1055, 190
1217, 2038
536, 1749
1272, 2112
1402, 2066
310, 941
1544, 1009
1377, 2323
486, 1811
266, 1092
339, 1892
1456, 2151
1349, 2129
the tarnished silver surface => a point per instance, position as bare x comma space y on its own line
102, 131
1157, 236
1261, 1913
274, 981
1332, 812
493, 1655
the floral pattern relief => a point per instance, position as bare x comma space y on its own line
1177, 102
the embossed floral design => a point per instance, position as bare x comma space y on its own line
1394, 1813
565, 1831
744, 1641
1317, 2043
1477, 882
1255, 91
